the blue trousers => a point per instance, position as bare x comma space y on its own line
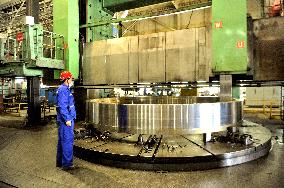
64, 156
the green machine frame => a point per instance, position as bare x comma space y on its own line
96, 13
99, 29
229, 37
66, 23
229, 28
28, 52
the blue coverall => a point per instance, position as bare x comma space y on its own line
65, 112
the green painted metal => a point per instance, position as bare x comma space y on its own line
111, 21
66, 23
56, 74
236, 92
229, 42
120, 5
30, 48
96, 13
34, 47
46, 63
19, 69
26, 57
33, 43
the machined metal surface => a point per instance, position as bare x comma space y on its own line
152, 57
164, 115
175, 152
157, 57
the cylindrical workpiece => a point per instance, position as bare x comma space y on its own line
164, 115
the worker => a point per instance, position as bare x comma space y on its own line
66, 114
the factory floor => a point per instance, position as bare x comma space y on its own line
27, 159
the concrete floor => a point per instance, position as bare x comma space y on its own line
27, 159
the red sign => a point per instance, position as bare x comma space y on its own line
218, 25
20, 37
241, 44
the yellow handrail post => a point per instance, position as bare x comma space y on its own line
263, 108
271, 109
19, 110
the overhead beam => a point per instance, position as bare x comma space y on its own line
196, 6
121, 5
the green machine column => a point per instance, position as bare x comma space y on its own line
96, 13
66, 23
229, 36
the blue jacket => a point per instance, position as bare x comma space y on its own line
65, 104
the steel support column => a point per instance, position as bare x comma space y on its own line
32, 9
226, 86
34, 109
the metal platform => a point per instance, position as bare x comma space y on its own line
175, 152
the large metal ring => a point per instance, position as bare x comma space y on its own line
164, 115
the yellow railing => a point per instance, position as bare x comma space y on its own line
268, 107
13, 106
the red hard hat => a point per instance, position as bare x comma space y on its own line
65, 75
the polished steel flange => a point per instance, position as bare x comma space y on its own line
164, 115
170, 133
